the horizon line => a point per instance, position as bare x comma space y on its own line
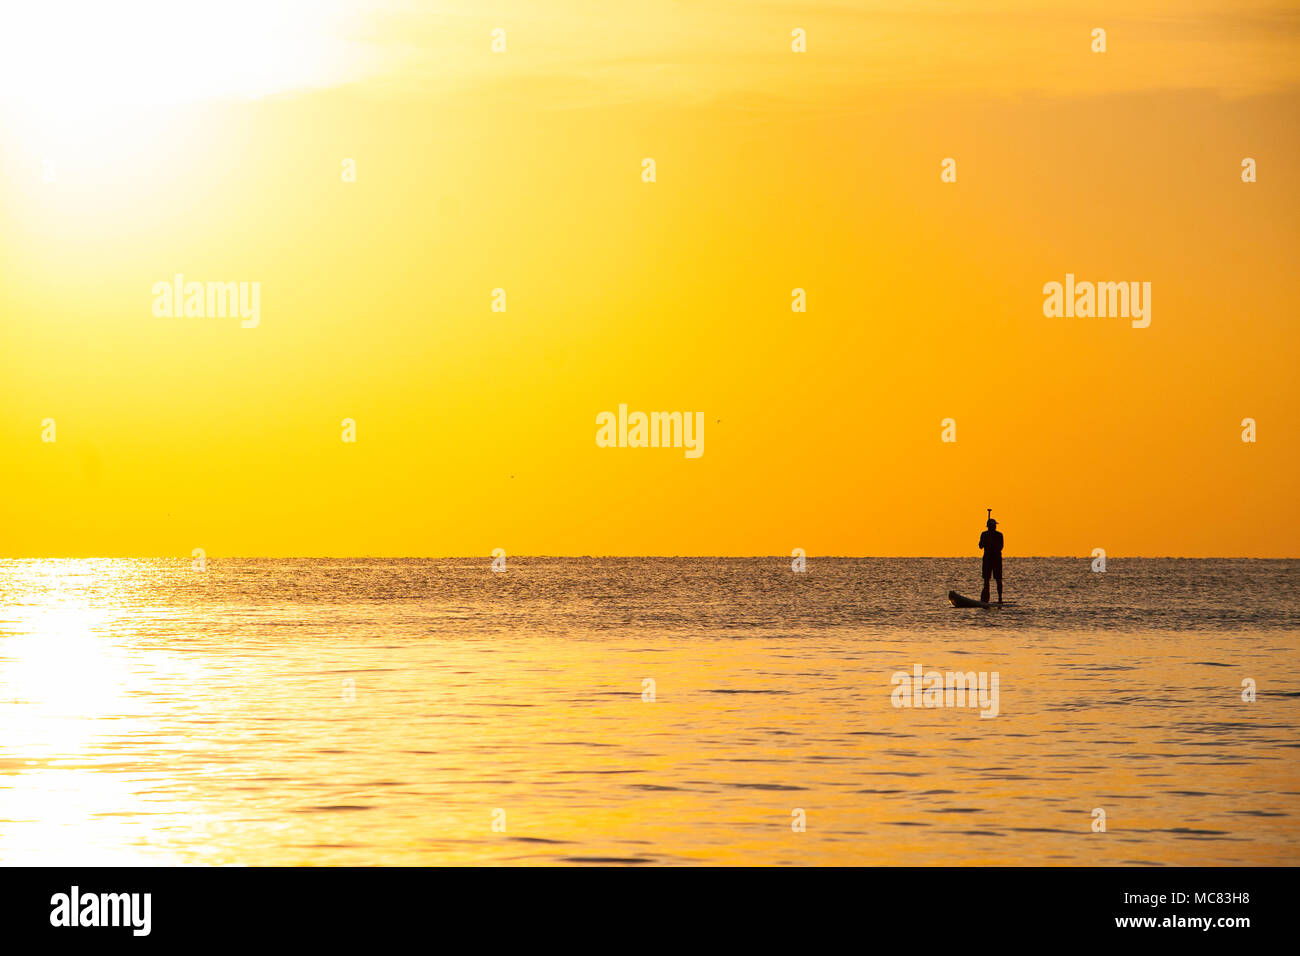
733, 557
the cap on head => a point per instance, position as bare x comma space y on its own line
990, 524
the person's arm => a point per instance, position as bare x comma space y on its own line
983, 535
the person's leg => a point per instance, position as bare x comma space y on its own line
984, 595
999, 580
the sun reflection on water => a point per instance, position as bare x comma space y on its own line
68, 701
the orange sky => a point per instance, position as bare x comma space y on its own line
522, 171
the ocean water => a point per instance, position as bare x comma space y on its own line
356, 712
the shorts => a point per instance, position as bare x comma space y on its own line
993, 568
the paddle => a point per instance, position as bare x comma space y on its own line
984, 595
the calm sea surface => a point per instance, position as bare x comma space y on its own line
390, 711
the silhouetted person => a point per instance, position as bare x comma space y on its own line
991, 545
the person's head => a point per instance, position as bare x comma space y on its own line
991, 524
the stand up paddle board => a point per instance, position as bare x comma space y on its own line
960, 600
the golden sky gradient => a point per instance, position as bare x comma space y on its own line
146, 140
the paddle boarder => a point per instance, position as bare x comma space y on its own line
991, 545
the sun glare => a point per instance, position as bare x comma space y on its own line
72, 66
